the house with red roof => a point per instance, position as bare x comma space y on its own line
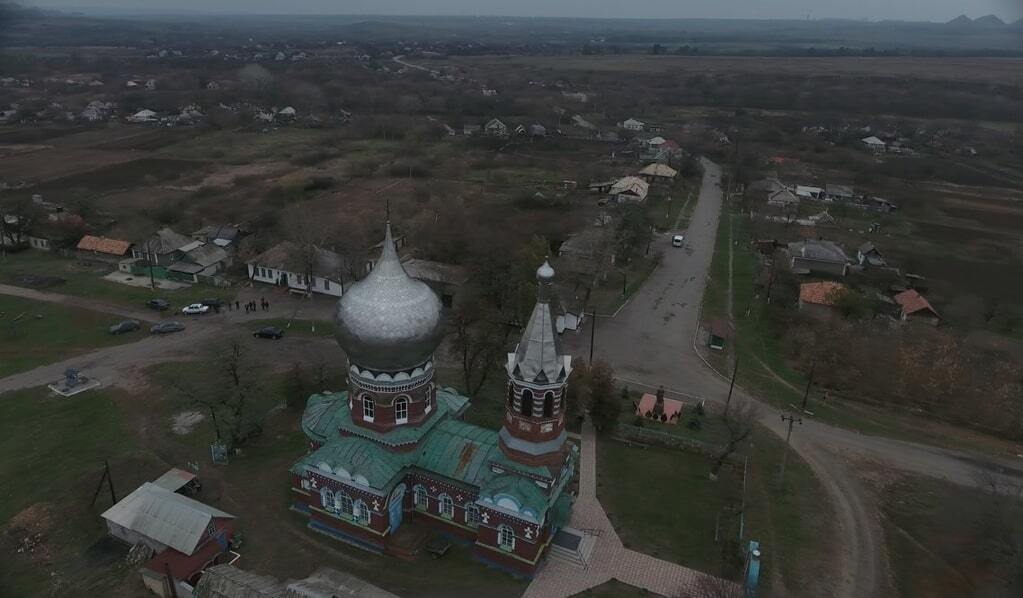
916, 308
819, 298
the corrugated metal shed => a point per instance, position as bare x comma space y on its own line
164, 516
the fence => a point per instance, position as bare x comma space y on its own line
667, 440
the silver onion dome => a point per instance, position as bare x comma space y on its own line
389, 321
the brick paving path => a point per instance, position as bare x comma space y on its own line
609, 559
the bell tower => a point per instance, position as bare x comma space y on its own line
538, 370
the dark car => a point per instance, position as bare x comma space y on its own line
212, 302
269, 332
167, 327
125, 326
158, 304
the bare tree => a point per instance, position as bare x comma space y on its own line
739, 420
256, 80
228, 380
480, 340
309, 234
17, 216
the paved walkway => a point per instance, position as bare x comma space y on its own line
609, 559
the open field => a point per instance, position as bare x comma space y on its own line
947, 540
34, 333
982, 70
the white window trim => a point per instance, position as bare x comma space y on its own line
339, 499
500, 538
405, 402
446, 501
360, 512
417, 491
475, 521
368, 409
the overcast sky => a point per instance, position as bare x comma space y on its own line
919, 10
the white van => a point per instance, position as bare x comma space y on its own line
677, 240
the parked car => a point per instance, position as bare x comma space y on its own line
212, 302
158, 304
125, 326
269, 332
195, 308
167, 327
678, 240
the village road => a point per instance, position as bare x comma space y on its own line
651, 342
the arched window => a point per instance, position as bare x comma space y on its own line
548, 404
401, 410
343, 503
472, 515
527, 403
361, 512
419, 497
327, 498
446, 506
368, 408
506, 537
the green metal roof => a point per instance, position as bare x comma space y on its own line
447, 447
352, 457
459, 451
455, 403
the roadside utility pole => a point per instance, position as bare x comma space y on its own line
593, 333
793, 420
731, 385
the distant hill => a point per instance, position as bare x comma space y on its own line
961, 21
990, 21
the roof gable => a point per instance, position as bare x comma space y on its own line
164, 516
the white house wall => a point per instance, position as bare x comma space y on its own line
273, 276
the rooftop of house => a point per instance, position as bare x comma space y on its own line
913, 302
104, 245
872, 140
287, 256
820, 250
164, 516
438, 272
165, 241
820, 293
659, 170
630, 184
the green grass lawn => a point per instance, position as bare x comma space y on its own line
947, 540
672, 514
51, 459
48, 332
84, 280
662, 502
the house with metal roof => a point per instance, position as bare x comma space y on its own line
184, 535
817, 256
392, 449
284, 265
629, 189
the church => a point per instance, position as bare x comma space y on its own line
393, 448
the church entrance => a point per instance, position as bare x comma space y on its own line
394, 507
